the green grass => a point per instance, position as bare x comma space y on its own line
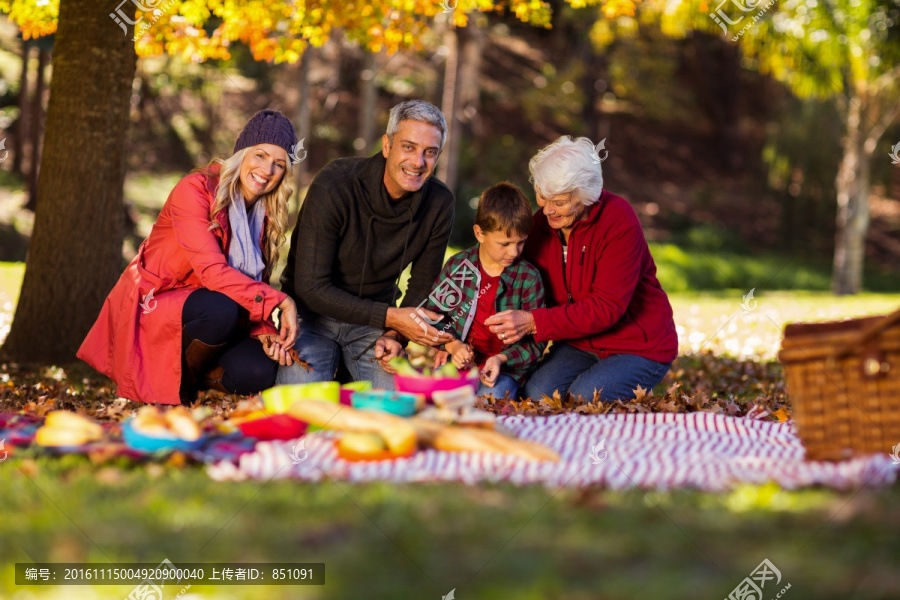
683, 269
10, 282
382, 541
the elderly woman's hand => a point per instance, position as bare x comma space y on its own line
511, 325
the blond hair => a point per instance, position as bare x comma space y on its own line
229, 188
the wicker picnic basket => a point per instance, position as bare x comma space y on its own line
843, 380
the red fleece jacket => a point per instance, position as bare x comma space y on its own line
607, 300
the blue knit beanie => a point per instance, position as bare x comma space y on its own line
268, 127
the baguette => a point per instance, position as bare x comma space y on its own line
463, 439
398, 433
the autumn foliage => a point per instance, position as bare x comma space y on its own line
281, 30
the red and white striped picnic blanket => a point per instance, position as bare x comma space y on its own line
650, 451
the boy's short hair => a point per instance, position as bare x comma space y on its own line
503, 207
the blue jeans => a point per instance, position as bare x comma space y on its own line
580, 373
504, 384
324, 341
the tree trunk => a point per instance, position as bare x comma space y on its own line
461, 96
449, 156
37, 118
367, 106
22, 126
303, 119
852, 186
75, 254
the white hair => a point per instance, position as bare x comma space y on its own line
568, 166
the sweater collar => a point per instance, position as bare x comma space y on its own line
371, 176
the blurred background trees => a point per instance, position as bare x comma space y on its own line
772, 146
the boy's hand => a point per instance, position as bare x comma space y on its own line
461, 354
440, 359
491, 370
386, 348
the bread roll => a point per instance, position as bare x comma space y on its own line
182, 424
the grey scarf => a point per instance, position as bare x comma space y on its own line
244, 253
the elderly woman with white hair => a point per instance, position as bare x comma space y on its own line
608, 317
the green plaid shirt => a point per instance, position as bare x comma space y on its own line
456, 292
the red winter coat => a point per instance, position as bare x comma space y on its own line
617, 305
136, 340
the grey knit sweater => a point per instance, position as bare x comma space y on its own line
352, 242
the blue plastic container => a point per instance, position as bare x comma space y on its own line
396, 403
151, 443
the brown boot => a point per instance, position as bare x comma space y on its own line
212, 380
195, 360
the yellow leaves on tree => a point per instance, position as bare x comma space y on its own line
34, 18
281, 30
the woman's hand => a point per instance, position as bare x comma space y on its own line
511, 325
288, 321
488, 375
275, 350
386, 348
461, 354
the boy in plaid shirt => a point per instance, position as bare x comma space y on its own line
488, 278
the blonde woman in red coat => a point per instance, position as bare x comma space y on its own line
193, 310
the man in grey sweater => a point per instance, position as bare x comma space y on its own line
364, 220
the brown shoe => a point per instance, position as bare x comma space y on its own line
195, 360
212, 380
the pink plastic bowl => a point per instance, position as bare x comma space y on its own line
429, 385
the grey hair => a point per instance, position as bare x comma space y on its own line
416, 110
567, 166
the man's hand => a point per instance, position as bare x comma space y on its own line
386, 348
275, 350
461, 353
491, 370
511, 325
410, 322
